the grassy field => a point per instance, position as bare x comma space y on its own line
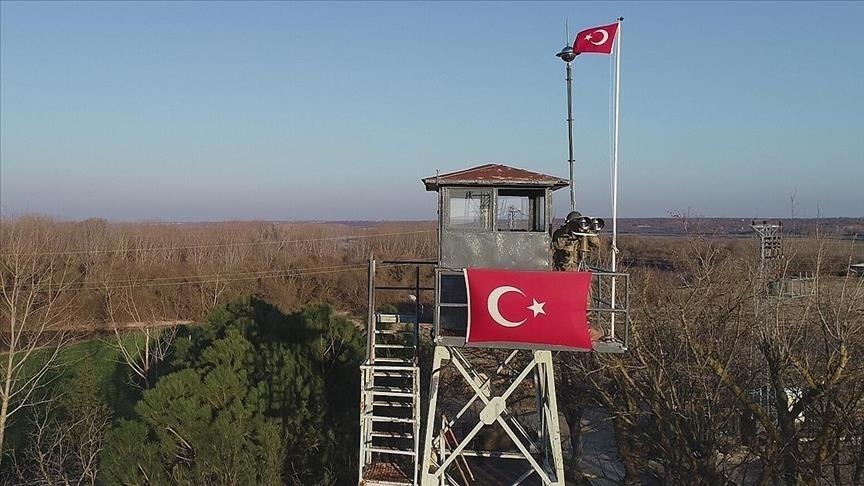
90, 370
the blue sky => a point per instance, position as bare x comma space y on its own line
211, 111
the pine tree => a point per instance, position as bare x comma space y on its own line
253, 397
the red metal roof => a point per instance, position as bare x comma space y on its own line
494, 175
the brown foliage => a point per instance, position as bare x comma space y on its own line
727, 384
181, 271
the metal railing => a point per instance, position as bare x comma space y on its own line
374, 289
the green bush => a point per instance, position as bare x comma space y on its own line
253, 397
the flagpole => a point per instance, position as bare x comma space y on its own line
571, 160
615, 170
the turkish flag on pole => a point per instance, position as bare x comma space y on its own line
597, 39
537, 309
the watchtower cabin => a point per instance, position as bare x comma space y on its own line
499, 310
491, 216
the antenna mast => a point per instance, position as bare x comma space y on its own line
567, 55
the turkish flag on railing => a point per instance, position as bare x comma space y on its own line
537, 309
596, 39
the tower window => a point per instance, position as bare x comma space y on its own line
520, 210
469, 209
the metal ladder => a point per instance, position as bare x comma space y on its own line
390, 394
390, 405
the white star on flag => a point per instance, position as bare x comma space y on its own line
537, 307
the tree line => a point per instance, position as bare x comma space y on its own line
131, 284
724, 382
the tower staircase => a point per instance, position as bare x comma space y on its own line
390, 395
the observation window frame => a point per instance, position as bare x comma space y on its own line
539, 221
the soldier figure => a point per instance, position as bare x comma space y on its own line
571, 245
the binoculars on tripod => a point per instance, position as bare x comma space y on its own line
585, 225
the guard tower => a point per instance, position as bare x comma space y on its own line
770, 237
771, 273
490, 218
495, 216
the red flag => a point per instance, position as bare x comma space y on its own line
537, 309
597, 39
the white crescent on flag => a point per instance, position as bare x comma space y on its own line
605, 37
495, 312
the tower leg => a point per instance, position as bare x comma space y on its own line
438, 356
543, 454
550, 413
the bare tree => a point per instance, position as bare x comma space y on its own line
141, 354
66, 451
725, 384
793, 205
34, 312
785, 361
